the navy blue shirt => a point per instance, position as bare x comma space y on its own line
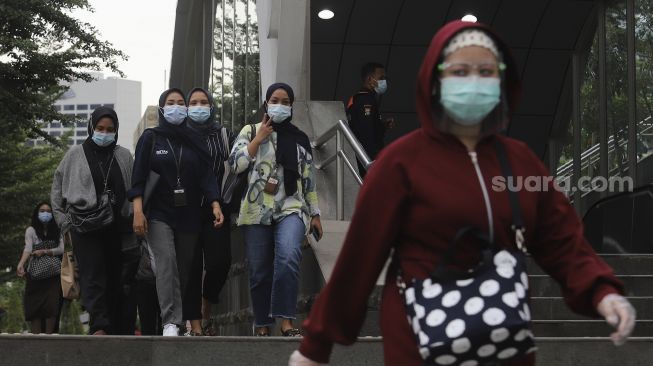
197, 180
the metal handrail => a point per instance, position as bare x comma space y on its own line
340, 130
588, 156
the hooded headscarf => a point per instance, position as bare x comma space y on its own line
185, 135
288, 137
96, 116
430, 111
210, 126
98, 156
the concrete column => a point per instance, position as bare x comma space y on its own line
284, 42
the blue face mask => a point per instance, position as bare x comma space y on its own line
199, 114
468, 100
381, 87
103, 139
45, 217
175, 114
279, 112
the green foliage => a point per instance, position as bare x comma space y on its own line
25, 180
69, 322
11, 300
41, 47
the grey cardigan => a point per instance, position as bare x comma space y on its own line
73, 186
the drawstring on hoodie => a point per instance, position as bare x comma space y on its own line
486, 196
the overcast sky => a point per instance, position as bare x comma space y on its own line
142, 29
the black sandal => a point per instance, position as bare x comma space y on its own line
291, 332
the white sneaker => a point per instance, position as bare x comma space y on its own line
170, 330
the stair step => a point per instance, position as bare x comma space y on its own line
237, 351
585, 328
623, 264
555, 308
636, 285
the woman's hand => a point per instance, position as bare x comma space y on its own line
297, 359
217, 213
266, 129
316, 226
20, 270
140, 224
39, 253
620, 314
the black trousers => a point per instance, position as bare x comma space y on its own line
216, 244
99, 259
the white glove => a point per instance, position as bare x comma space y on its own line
619, 313
297, 359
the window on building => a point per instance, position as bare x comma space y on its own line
235, 63
81, 116
55, 125
81, 124
71, 142
82, 107
57, 107
82, 133
55, 133
69, 107
109, 106
95, 106
80, 141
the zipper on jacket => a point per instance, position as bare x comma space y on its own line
486, 196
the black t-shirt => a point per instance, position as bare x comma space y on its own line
365, 121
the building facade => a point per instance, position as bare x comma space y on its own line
83, 97
149, 119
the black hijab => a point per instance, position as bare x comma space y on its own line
182, 133
209, 127
99, 158
288, 137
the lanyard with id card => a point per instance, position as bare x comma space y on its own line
179, 193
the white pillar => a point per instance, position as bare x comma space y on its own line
284, 42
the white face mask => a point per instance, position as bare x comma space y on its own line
279, 112
381, 86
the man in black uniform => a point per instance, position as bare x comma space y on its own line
363, 112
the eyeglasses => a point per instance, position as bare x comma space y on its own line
486, 69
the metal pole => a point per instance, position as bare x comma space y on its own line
603, 95
340, 179
245, 95
632, 101
233, 67
576, 120
222, 68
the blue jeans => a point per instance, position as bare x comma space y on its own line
274, 254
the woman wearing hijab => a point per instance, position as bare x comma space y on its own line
89, 171
278, 209
215, 242
433, 182
42, 296
172, 218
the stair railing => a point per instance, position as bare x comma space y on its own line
342, 133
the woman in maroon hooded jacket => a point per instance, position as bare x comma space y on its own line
433, 182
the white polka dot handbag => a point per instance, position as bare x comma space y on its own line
474, 317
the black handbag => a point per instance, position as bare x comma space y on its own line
476, 316
85, 221
45, 266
